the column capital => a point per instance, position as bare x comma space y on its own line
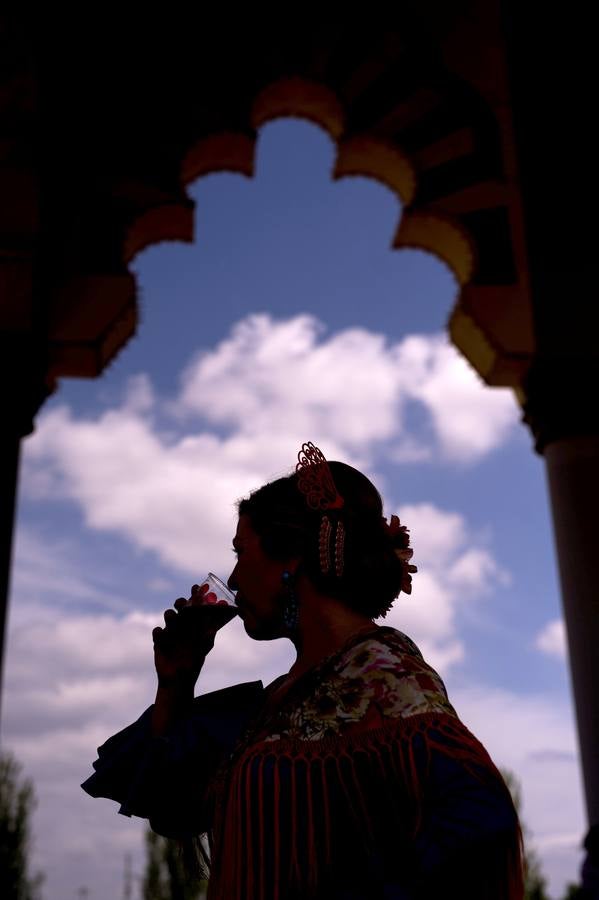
560, 398
24, 382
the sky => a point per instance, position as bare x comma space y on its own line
289, 319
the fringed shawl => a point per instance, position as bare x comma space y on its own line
363, 783
360, 784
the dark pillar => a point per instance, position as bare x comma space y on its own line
9, 465
573, 476
24, 387
565, 422
552, 64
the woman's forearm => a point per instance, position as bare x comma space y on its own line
173, 702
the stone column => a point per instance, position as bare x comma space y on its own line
549, 106
563, 413
9, 464
573, 476
24, 387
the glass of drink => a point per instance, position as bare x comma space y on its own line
217, 601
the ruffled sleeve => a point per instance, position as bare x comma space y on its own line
165, 779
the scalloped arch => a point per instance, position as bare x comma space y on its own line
365, 154
442, 236
225, 151
168, 222
377, 159
455, 204
300, 99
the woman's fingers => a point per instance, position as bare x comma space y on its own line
196, 598
197, 594
181, 624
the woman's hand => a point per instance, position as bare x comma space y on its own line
181, 647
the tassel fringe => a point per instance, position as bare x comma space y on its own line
281, 795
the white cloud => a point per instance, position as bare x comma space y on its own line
552, 639
160, 585
72, 683
73, 679
437, 534
268, 372
46, 568
475, 571
270, 375
466, 425
272, 385
174, 499
139, 396
246, 407
428, 617
452, 570
411, 450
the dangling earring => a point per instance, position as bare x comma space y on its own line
291, 608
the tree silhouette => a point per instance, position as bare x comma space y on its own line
166, 877
17, 802
535, 884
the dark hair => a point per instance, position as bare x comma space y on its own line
287, 527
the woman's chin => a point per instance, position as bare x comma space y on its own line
261, 631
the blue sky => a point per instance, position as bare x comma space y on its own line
288, 319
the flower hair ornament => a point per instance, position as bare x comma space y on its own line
315, 481
400, 539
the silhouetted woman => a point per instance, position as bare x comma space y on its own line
349, 777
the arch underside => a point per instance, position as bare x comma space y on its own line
405, 106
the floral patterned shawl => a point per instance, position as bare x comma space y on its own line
362, 783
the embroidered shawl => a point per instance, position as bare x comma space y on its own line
363, 782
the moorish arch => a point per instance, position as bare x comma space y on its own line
475, 113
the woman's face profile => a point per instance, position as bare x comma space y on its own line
258, 581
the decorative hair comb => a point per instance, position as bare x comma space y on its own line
315, 479
316, 482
